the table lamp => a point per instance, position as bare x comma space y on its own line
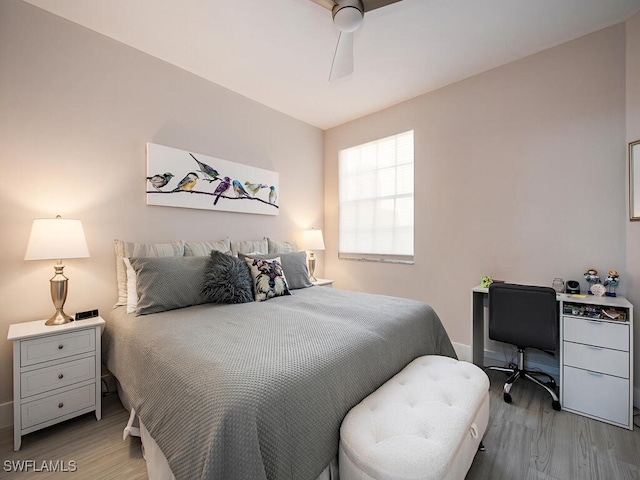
312, 240
56, 239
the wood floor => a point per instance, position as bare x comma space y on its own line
96, 448
529, 440
525, 440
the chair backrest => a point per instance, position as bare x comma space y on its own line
523, 315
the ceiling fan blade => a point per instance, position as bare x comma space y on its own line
328, 4
373, 4
343, 58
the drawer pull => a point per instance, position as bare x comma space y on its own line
60, 347
60, 405
595, 322
593, 347
595, 374
60, 376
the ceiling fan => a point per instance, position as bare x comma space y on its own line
347, 17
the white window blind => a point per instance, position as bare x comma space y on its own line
376, 200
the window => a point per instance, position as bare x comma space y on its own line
376, 200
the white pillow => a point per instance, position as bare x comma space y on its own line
132, 293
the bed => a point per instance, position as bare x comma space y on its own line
258, 390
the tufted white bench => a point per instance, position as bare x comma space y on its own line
424, 423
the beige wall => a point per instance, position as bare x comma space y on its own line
76, 110
633, 134
519, 172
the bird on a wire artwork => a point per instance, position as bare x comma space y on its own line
209, 183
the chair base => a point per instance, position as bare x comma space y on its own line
519, 372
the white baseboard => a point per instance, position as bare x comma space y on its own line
6, 414
534, 361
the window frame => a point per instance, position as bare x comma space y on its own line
379, 257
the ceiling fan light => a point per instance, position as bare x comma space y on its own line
348, 15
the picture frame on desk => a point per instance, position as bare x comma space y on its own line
634, 181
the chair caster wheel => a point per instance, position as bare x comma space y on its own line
556, 405
507, 398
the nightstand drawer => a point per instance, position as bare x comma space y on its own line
597, 359
57, 376
595, 394
594, 332
50, 408
54, 347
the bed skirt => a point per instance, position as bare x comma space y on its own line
157, 465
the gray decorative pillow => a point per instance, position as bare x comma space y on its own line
294, 265
167, 283
227, 280
138, 250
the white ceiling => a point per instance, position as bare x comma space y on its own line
279, 52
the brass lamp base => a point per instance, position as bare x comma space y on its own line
312, 266
58, 318
59, 296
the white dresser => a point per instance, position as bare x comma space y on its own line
596, 354
596, 359
56, 373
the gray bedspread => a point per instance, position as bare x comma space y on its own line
258, 390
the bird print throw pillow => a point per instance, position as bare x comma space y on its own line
268, 278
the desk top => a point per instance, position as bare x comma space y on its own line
579, 298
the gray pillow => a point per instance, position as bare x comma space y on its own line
167, 283
294, 265
280, 247
227, 279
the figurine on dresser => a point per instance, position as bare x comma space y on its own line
592, 278
612, 282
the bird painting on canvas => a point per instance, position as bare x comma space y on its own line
210, 173
160, 180
222, 187
239, 189
254, 188
187, 183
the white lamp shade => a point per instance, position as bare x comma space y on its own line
55, 239
312, 240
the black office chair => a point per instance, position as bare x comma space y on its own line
525, 316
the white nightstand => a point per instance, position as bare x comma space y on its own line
56, 373
323, 282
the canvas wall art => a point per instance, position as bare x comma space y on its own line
179, 178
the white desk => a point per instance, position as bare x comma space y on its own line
596, 356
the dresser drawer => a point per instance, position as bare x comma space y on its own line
602, 396
53, 347
597, 359
57, 376
593, 332
58, 405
